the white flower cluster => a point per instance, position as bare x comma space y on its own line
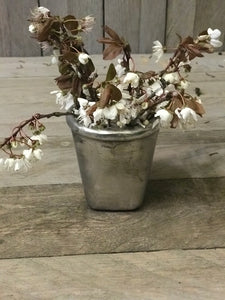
187, 117
65, 101
122, 112
24, 161
213, 36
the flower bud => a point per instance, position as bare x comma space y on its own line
83, 58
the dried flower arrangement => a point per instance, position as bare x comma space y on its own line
126, 98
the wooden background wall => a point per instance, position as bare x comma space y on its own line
139, 21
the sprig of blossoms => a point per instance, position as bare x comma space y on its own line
125, 98
23, 149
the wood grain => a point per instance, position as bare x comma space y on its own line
210, 14
192, 17
181, 16
187, 275
53, 220
81, 9
190, 154
136, 21
14, 34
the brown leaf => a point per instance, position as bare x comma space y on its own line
44, 30
196, 106
116, 93
91, 109
175, 103
112, 52
112, 33
106, 41
76, 87
106, 96
71, 24
64, 82
71, 57
194, 50
188, 40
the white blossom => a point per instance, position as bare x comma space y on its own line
21, 164
41, 10
110, 112
131, 78
55, 56
156, 88
83, 58
83, 102
157, 50
97, 114
38, 137
38, 153
65, 101
184, 84
1, 164
214, 36
187, 116
32, 28
171, 77
9, 163
165, 117
87, 23
120, 70
28, 153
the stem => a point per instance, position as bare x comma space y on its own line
33, 118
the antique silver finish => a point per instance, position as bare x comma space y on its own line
114, 164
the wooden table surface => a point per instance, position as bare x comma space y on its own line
44, 216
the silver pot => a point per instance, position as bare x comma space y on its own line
114, 164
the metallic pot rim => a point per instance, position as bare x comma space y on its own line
109, 134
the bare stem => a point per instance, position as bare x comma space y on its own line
33, 118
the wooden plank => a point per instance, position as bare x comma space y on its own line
209, 68
53, 220
210, 14
127, 22
136, 21
152, 24
14, 34
81, 9
173, 159
180, 19
193, 274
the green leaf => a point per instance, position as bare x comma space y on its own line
111, 72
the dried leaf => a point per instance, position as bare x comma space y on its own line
91, 109
111, 72
116, 93
106, 41
76, 87
64, 82
71, 23
112, 33
194, 50
196, 106
71, 57
187, 41
44, 30
176, 102
112, 52
105, 96
64, 68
